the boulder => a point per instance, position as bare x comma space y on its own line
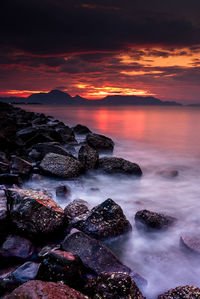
34, 213
81, 130
149, 220
100, 142
44, 290
105, 221
50, 147
185, 292
61, 166
20, 166
16, 247
62, 191
76, 211
10, 179
12, 280
96, 256
57, 265
117, 285
114, 165
88, 157
190, 242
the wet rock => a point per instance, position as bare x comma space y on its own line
27, 133
51, 147
35, 155
61, 166
10, 179
168, 174
145, 219
190, 242
57, 265
34, 213
99, 142
185, 292
38, 138
113, 165
22, 274
16, 247
62, 191
88, 157
4, 167
96, 256
20, 166
113, 286
4, 222
104, 221
80, 129
76, 211
44, 290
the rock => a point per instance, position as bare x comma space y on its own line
3, 157
62, 191
191, 243
168, 174
4, 167
105, 221
4, 222
99, 142
61, 166
88, 157
27, 271
96, 256
34, 213
44, 290
62, 266
38, 138
113, 286
113, 165
35, 155
51, 147
185, 292
10, 179
145, 219
27, 133
76, 211
80, 129
20, 166
16, 247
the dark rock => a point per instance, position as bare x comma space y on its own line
113, 286
27, 133
51, 147
99, 142
61, 166
38, 138
145, 219
27, 271
16, 247
80, 129
10, 179
44, 290
62, 266
76, 211
4, 167
168, 174
34, 213
62, 191
190, 242
4, 222
185, 292
88, 157
20, 166
105, 220
35, 155
95, 255
3, 157
113, 165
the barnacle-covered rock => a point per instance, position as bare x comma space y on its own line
104, 221
185, 292
34, 213
76, 210
61, 166
116, 285
88, 157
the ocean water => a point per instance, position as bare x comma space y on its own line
159, 139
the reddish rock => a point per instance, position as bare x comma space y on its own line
104, 221
116, 285
44, 290
185, 292
34, 213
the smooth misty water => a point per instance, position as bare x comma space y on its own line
158, 139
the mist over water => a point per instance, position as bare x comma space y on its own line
159, 139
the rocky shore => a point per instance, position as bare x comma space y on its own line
50, 252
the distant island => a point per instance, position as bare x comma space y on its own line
57, 97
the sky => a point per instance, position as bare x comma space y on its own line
96, 48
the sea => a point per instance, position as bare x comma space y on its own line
163, 141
